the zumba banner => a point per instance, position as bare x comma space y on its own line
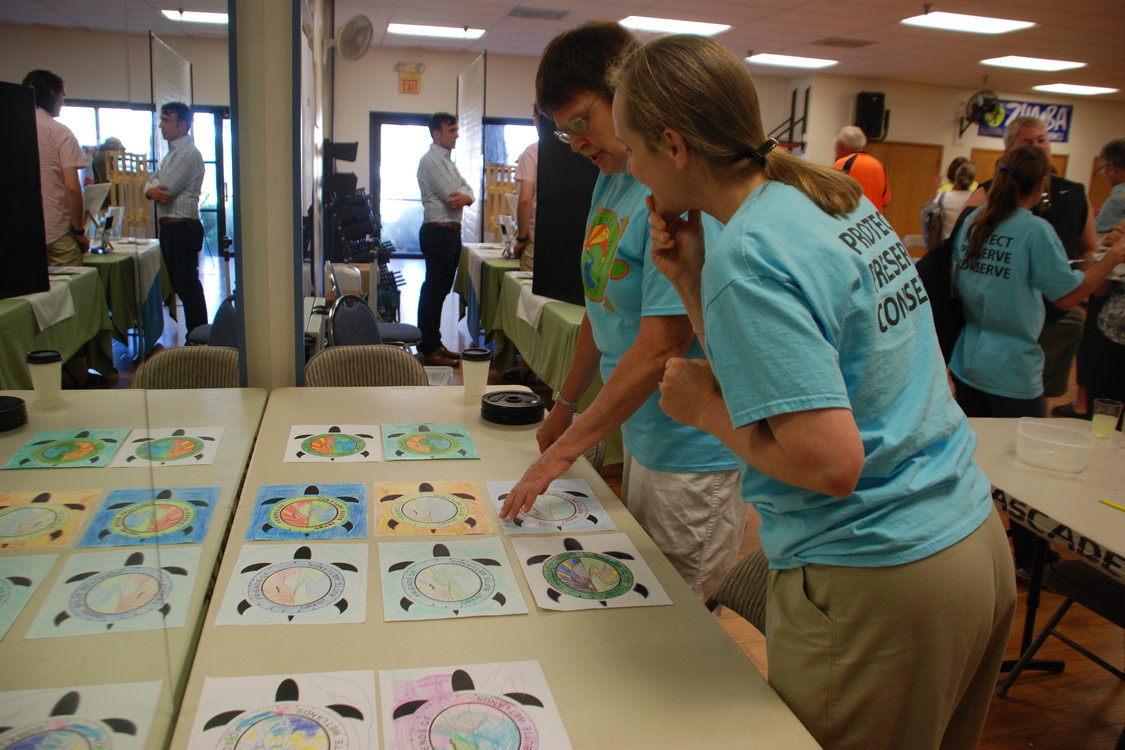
1057, 117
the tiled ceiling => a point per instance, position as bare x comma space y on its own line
1085, 30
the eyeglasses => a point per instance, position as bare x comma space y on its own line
576, 125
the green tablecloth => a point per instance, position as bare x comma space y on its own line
480, 310
130, 307
19, 332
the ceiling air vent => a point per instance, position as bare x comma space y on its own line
840, 41
550, 14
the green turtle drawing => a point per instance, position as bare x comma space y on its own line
295, 586
599, 254
333, 444
557, 508
448, 582
466, 718
286, 723
426, 442
161, 516
64, 728
310, 513
39, 517
587, 575
123, 593
79, 447
179, 446
429, 509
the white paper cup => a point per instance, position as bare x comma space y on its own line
45, 368
474, 370
1107, 412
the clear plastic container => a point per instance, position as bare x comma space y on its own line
1043, 442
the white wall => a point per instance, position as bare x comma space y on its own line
928, 114
110, 66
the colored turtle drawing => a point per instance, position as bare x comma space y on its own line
466, 718
448, 582
599, 254
7, 587
556, 508
164, 450
18, 523
292, 587
286, 723
310, 513
121, 593
160, 517
72, 450
428, 443
587, 575
65, 729
429, 509
333, 444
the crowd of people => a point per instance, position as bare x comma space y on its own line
835, 420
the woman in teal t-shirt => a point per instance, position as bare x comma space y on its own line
1008, 259
891, 589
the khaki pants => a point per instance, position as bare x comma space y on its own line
902, 657
696, 519
527, 257
65, 251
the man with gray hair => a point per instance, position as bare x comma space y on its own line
862, 167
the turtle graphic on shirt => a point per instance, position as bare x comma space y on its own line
64, 728
599, 255
285, 723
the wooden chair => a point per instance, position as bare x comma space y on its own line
364, 366
190, 367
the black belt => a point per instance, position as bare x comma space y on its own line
171, 219
450, 224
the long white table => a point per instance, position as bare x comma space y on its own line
646, 677
141, 656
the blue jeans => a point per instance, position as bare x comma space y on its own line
441, 247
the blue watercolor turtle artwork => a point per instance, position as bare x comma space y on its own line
63, 449
170, 515
309, 512
427, 441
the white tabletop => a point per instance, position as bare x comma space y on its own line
477, 255
1064, 508
139, 656
646, 677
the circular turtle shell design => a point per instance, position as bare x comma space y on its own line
21, 522
166, 449
121, 594
448, 582
282, 726
588, 575
67, 451
152, 518
309, 514
64, 732
428, 443
557, 508
429, 510
292, 587
333, 445
472, 719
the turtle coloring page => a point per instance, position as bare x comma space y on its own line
333, 443
172, 446
567, 505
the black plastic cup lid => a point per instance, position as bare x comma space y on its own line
43, 357
512, 407
476, 355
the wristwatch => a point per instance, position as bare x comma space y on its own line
522, 239
78, 232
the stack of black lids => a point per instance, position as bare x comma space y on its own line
511, 407
13, 413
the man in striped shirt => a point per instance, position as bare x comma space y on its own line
175, 187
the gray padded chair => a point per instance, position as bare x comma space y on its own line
744, 589
364, 366
353, 323
190, 367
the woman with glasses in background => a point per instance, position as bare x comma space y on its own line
680, 484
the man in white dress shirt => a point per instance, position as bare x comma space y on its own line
175, 187
444, 194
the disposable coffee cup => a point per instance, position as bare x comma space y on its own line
45, 368
1107, 413
474, 371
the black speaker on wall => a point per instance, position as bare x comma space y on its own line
564, 184
21, 203
871, 114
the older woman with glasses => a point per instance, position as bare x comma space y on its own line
681, 484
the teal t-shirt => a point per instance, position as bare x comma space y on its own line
998, 350
622, 285
808, 311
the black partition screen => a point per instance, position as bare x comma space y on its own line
564, 183
25, 268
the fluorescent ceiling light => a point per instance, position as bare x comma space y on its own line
1032, 63
971, 24
673, 26
1073, 88
446, 32
788, 61
194, 16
